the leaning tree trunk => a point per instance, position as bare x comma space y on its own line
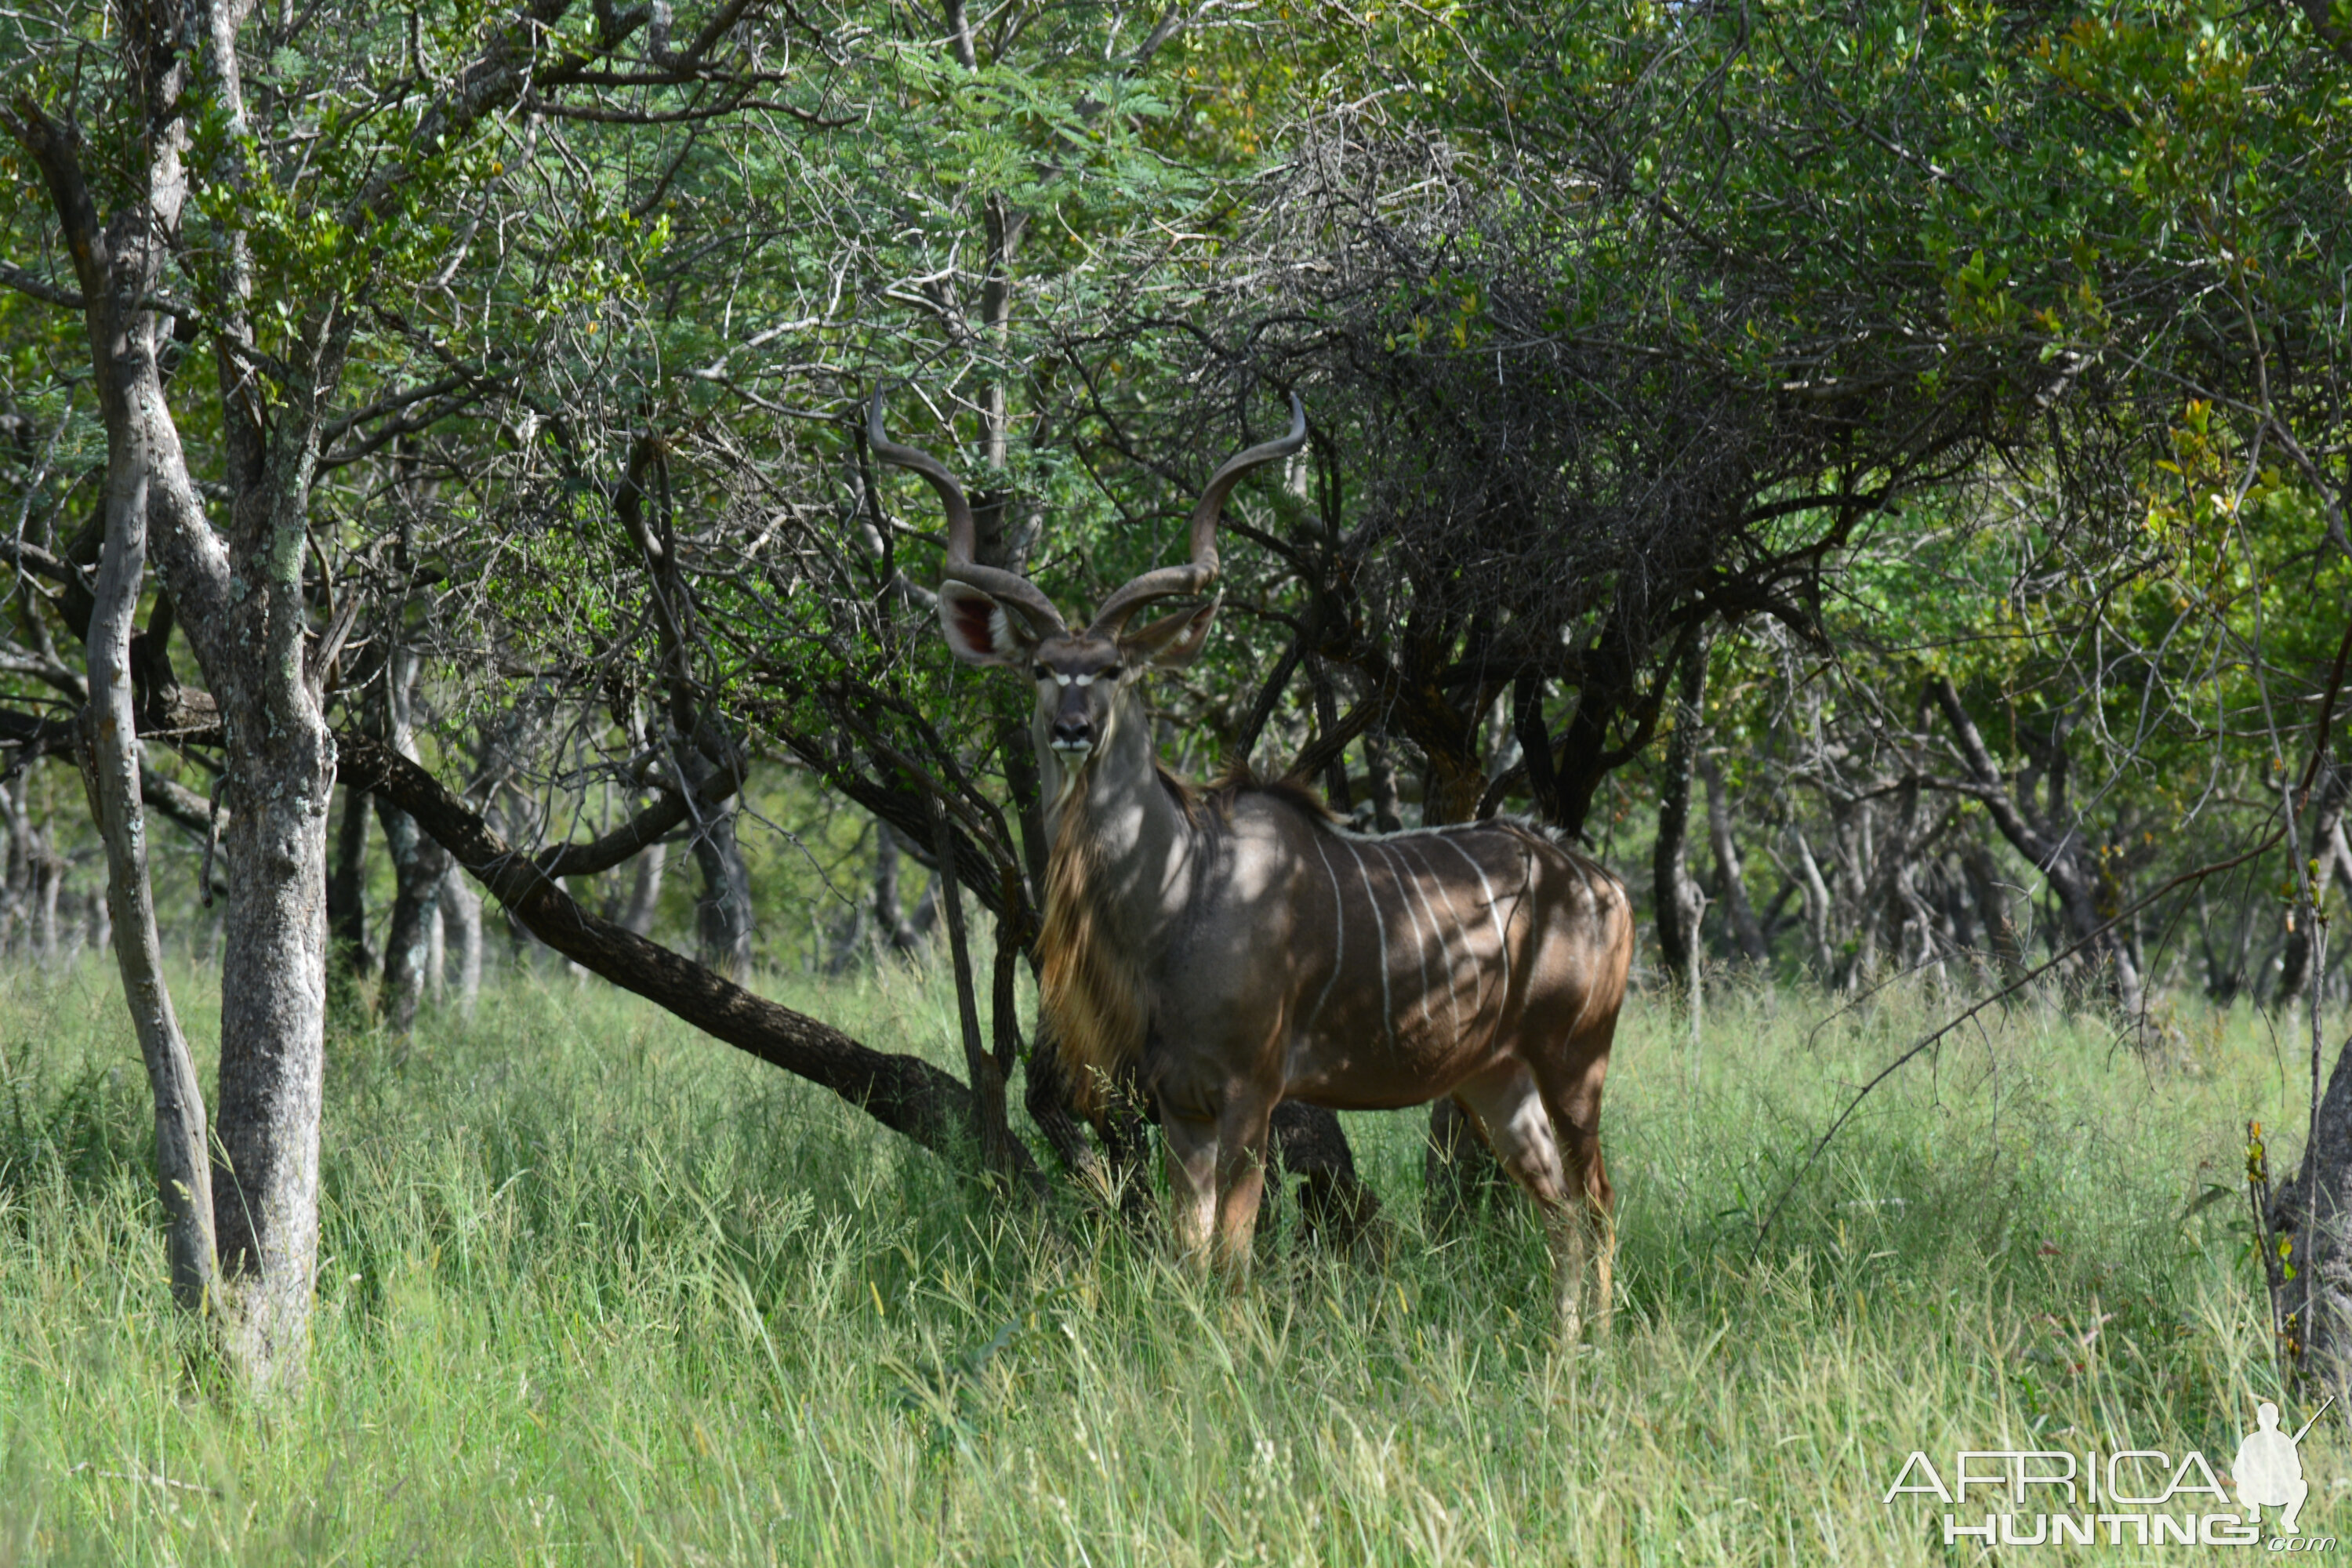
904, 1093
182, 1167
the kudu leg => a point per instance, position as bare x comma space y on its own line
1192, 1166
1575, 1102
1518, 1126
1216, 1177
1243, 1135
1597, 1218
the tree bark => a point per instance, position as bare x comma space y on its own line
239, 594
347, 892
2325, 823
889, 906
1731, 885
461, 909
1379, 782
992, 1135
1991, 900
1456, 1165
723, 913
1336, 1209
419, 866
2312, 1213
1457, 1171
645, 889
182, 1164
1676, 899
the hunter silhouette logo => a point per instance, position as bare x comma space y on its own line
2136, 1496
2269, 1471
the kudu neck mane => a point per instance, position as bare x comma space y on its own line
1091, 984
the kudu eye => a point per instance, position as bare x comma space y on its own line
1113, 673
1044, 674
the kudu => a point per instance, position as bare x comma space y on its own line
1235, 947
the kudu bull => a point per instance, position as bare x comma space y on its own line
1236, 947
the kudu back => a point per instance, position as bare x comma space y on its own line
1235, 947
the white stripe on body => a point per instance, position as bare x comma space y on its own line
1453, 1002
1380, 921
1395, 861
1462, 931
1339, 932
1502, 936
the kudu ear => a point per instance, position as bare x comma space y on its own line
1174, 641
979, 629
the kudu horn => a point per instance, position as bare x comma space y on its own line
1196, 576
1010, 588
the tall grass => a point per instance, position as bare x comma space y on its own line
598, 1290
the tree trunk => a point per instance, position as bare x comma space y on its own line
2313, 1215
889, 906
1335, 772
1336, 1209
2324, 824
1456, 1165
723, 913
645, 889
1379, 782
273, 972
1457, 1170
1676, 897
240, 601
419, 866
183, 1165
1731, 887
347, 892
992, 1135
461, 911
1992, 903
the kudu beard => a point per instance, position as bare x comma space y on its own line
1088, 985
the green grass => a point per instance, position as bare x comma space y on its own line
599, 1290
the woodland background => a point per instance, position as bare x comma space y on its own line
1875, 473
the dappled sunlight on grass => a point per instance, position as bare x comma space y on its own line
598, 1289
